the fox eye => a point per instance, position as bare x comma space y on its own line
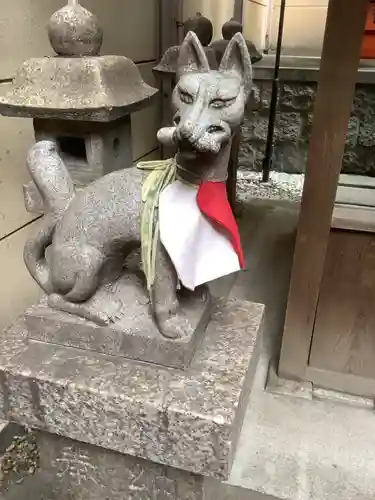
186, 97
221, 103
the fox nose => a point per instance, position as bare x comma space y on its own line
189, 131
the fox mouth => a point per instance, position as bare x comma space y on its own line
186, 147
192, 150
209, 143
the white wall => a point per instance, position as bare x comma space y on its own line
303, 26
255, 21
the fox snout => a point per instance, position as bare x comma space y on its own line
203, 138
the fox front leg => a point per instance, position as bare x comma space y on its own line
165, 305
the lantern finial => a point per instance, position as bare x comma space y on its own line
74, 31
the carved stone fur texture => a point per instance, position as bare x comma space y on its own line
87, 235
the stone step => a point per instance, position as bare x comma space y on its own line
220, 491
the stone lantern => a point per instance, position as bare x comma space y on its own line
229, 29
203, 28
79, 99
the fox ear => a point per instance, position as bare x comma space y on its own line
237, 58
192, 56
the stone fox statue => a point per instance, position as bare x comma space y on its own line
87, 234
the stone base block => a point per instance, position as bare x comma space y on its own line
62, 469
131, 332
69, 470
188, 420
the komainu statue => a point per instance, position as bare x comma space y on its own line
175, 211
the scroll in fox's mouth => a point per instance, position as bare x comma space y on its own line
206, 143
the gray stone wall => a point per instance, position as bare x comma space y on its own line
293, 127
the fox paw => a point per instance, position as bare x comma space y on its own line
175, 326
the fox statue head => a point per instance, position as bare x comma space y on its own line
208, 105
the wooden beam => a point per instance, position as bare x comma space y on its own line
337, 77
341, 382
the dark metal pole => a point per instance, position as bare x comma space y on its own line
232, 170
267, 161
238, 10
233, 160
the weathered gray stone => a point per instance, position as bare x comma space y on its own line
166, 70
213, 490
79, 100
71, 470
295, 128
255, 127
364, 103
89, 149
288, 157
254, 102
298, 96
251, 154
19, 456
32, 198
366, 136
353, 132
88, 472
188, 420
288, 127
133, 333
88, 234
75, 378
266, 94
168, 63
352, 162
74, 31
90, 89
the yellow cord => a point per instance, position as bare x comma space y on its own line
163, 173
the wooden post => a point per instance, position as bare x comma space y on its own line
337, 77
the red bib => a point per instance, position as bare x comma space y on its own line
213, 203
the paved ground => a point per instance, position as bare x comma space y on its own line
281, 186
292, 448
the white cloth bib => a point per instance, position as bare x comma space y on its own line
199, 252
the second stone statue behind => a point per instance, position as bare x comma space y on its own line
174, 213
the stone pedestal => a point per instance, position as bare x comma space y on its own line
69, 470
112, 427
